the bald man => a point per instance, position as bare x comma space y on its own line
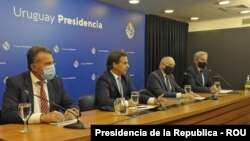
162, 81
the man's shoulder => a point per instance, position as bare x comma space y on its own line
191, 68
19, 76
155, 73
57, 78
105, 76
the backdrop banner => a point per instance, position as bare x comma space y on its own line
81, 34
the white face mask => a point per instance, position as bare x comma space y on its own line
49, 72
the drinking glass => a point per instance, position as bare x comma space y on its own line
24, 110
120, 106
188, 89
217, 86
135, 98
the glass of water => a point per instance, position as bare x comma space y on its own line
24, 110
135, 98
217, 86
120, 106
188, 89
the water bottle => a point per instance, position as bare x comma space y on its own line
247, 85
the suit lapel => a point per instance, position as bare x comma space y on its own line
51, 94
162, 80
28, 87
171, 81
113, 82
198, 76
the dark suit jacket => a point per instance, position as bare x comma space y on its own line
192, 77
156, 85
14, 94
106, 90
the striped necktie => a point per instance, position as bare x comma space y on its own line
44, 100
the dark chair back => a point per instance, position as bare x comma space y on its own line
1, 117
87, 102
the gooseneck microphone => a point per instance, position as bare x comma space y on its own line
229, 84
77, 125
146, 92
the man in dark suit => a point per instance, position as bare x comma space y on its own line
40, 80
198, 75
114, 83
162, 81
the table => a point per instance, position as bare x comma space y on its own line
228, 109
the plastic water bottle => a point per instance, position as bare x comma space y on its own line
247, 84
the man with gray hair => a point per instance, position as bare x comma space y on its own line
162, 81
198, 75
38, 86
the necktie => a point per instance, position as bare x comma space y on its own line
44, 104
202, 78
167, 83
119, 84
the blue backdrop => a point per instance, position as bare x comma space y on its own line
81, 34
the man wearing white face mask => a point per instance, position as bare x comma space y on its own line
40, 80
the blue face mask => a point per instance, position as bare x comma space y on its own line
49, 72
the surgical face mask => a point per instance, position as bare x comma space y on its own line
202, 65
168, 70
49, 72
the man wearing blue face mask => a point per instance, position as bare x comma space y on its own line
198, 75
40, 80
162, 81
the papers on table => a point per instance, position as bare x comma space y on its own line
146, 107
225, 91
64, 123
199, 98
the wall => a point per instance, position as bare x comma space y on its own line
81, 34
218, 24
228, 48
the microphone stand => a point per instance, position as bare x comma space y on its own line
234, 90
213, 97
77, 125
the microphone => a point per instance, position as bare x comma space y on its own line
229, 84
77, 125
148, 93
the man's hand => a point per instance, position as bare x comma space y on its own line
160, 99
213, 89
69, 114
189, 96
131, 103
54, 116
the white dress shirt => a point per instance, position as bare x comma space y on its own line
35, 117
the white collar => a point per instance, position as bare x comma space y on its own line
115, 75
34, 79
